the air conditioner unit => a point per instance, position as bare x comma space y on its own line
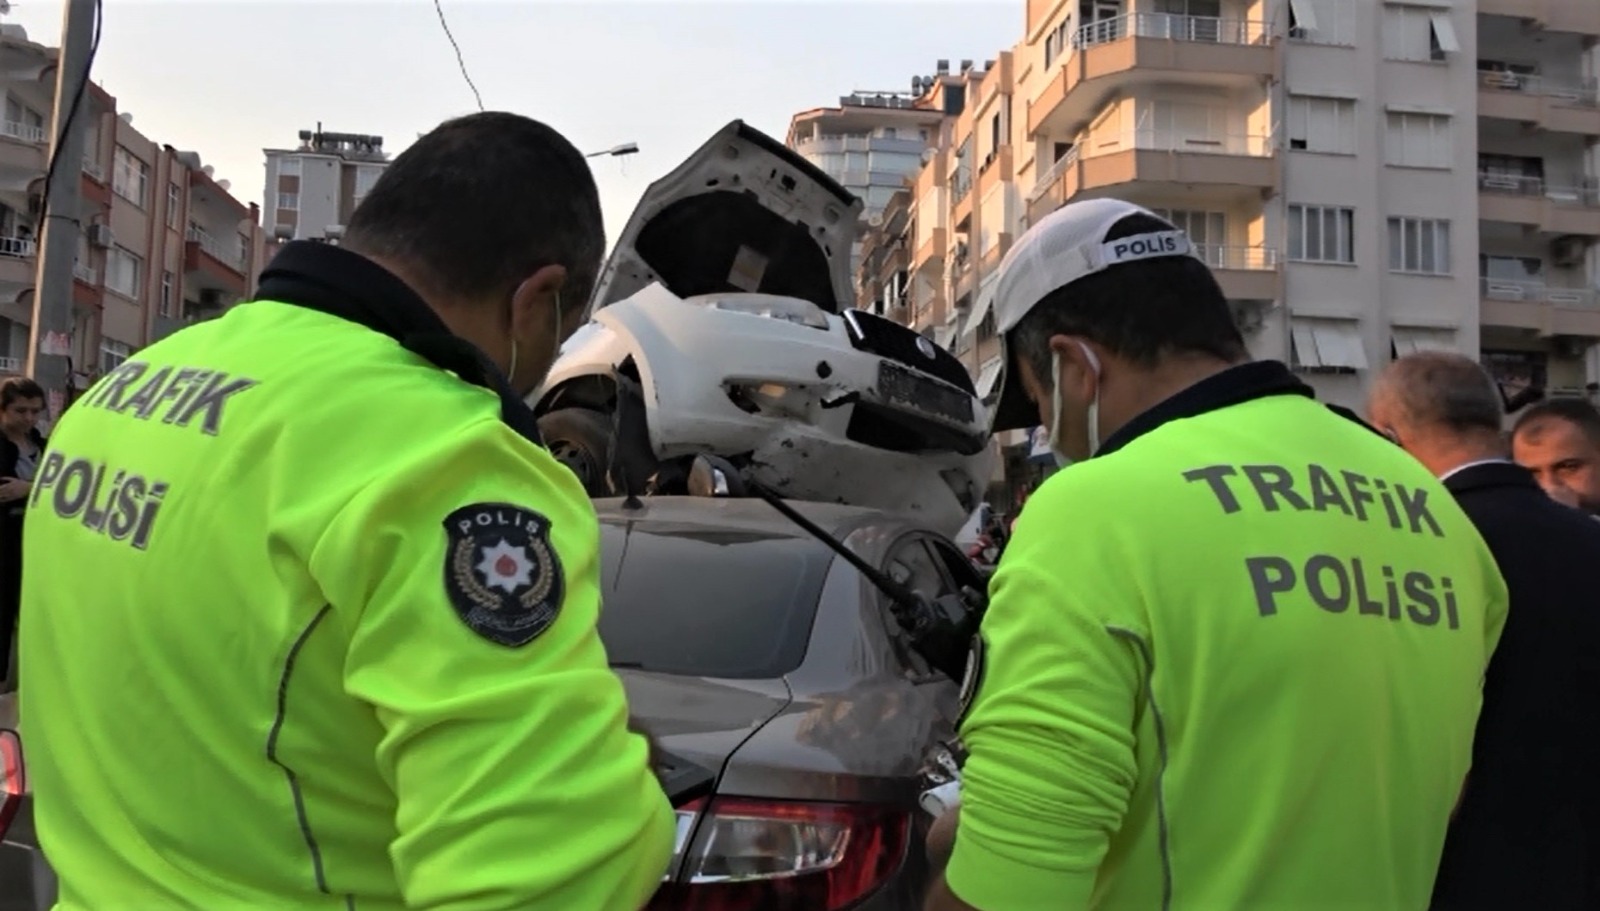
1568, 251
100, 236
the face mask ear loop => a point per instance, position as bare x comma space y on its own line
1055, 402
1094, 406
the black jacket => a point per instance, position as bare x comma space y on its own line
9, 452
1527, 833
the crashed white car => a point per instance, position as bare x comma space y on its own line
719, 326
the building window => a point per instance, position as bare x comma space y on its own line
112, 354
365, 178
23, 122
1326, 346
1321, 234
164, 308
288, 167
130, 177
174, 205
1318, 124
290, 201
1323, 21
123, 270
1419, 245
1418, 140
1418, 33
1208, 231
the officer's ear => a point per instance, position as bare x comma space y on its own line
534, 303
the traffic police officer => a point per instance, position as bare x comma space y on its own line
1234, 659
310, 613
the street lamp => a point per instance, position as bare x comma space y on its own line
627, 148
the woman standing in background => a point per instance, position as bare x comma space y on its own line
21, 404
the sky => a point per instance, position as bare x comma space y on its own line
227, 78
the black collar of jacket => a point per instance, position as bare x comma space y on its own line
1491, 474
1233, 386
340, 283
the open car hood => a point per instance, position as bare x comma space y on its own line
743, 213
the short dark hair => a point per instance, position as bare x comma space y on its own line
1579, 412
1143, 311
1444, 389
16, 388
482, 202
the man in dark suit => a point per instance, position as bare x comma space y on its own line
1527, 831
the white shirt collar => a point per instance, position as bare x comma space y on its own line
1463, 467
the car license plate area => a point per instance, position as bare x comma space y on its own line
899, 386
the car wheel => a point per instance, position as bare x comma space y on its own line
580, 438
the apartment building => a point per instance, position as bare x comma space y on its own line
873, 141
312, 189
1366, 177
163, 242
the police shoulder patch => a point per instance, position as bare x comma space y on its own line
501, 574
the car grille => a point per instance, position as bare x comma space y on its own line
889, 339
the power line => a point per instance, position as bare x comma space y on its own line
460, 61
72, 112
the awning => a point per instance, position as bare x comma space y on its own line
988, 377
979, 310
1444, 31
944, 335
1410, 341
1305, 15
1328, 343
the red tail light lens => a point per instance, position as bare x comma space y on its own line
775, 855
13, 783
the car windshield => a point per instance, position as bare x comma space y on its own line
702, 602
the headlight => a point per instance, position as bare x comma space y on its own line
789, 309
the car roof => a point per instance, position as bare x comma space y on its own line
742, 514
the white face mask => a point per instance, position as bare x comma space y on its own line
1062, 459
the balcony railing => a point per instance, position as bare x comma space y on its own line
22, 131
216, 249
1249, 145
83, 272
10, 365
1536, 292
1262, 259
1586, 194
1048, 179
1172, 27
1582, 92
18, 247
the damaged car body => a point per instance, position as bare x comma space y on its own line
721, 325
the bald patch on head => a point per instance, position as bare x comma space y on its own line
1434, 391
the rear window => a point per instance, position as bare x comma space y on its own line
704, 603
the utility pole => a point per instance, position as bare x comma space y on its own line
50, 338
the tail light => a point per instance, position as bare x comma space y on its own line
776, 855
13, 784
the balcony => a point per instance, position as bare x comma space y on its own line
1156, 157
83, 272
1141, 48
931, 253
22, 132
93, 169
1526, 200
1536, 306
1577, 16
1245, 273
212, 265
17, 265
11, 366
1539, 102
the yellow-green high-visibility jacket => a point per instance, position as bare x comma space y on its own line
308, 626
1234, 662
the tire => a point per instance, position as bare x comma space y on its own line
580, 438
